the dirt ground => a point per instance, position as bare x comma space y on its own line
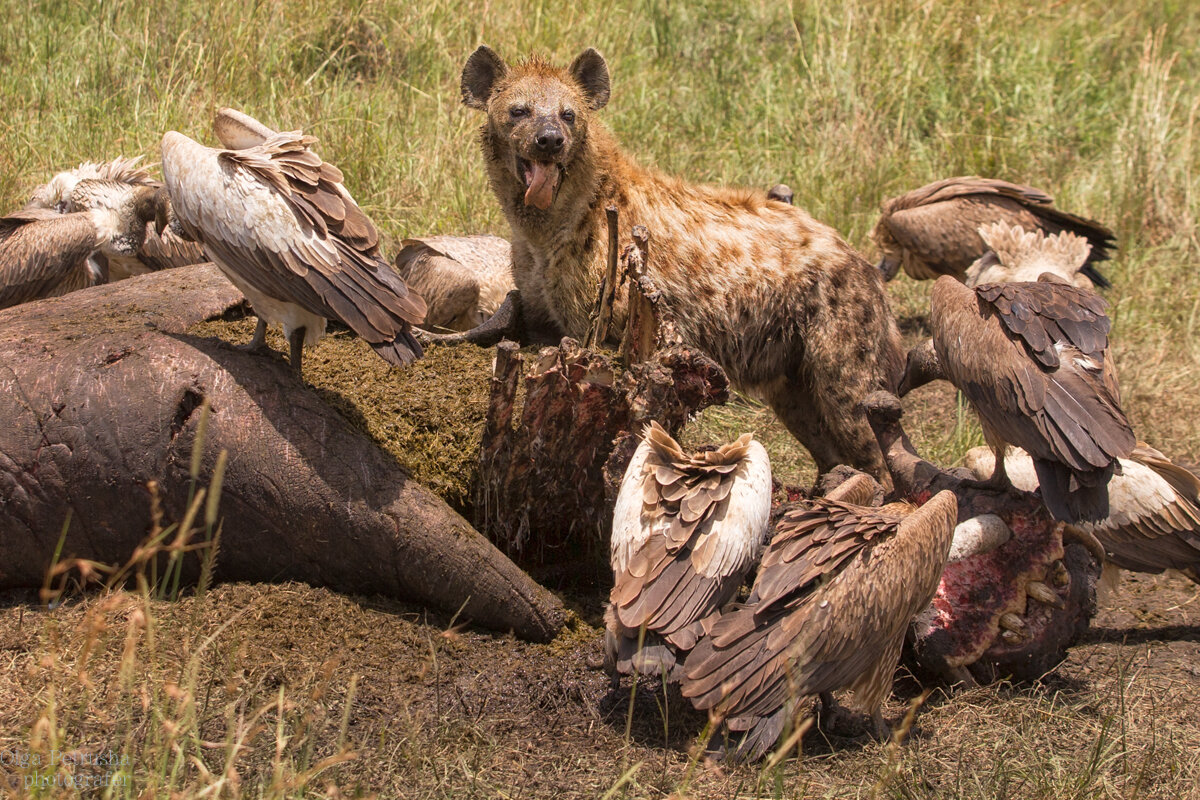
438, 712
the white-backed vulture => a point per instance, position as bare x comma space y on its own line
55, 194
781, 192
686, 530
1033, 361
278, 222
837, 588
1153, 522
933, 230
1016, 255
463, 279
44, 253
91, 185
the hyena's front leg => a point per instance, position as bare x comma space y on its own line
826, 420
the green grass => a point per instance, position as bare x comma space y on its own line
849, 102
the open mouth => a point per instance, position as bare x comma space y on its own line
541, 181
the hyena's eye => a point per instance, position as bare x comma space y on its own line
568, 116
517, 112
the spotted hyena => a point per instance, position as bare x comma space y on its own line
792, 313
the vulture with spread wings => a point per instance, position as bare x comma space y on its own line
836, 590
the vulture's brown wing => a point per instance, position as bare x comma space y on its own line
1048, 313
814, 542
1101, 238
1154, 522
277, 216
702, 541
311, 186
967, 186
169, 250
843, 632
1051, 389
43, 254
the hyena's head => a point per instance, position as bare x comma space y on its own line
538, 114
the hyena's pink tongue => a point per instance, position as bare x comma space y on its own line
542, 180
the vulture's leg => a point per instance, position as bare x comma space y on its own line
259, 340
835, 719
999, 481
296, 341
963, 677
881, 730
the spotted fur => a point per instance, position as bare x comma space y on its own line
791, 312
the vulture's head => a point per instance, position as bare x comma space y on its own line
922, 367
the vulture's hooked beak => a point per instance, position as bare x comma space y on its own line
888, 266
162, 211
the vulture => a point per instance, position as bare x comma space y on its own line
781, 192
55, 194
44, 253
837, 588
686, 530
1032, 359
278, 222
463, 279
91, 184
1016, 255
1154, 509
933, 230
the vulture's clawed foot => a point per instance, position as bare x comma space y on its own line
258, 342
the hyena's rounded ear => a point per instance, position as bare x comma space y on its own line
479, 76
591, 73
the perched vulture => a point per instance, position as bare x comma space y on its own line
94, 184
278, 222
1016, 255
837, 588
44, 253
933, 230
686, 530
1032, 359
1154, 509
463, 279
781, 192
